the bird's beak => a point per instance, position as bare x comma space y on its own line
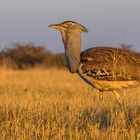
55, 26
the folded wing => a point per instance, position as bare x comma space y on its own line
113, 64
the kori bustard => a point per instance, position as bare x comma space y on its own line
104, 68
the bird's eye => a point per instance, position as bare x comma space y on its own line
69, 24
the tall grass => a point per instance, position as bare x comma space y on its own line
56, 105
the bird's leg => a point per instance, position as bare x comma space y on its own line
119, 98
100, 101
100, 96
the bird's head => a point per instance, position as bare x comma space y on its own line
71, 37
69, 26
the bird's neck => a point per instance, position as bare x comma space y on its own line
72, 44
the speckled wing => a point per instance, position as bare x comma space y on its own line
112, 64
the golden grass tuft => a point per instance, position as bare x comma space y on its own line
56, 105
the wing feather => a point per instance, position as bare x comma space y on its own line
106, 63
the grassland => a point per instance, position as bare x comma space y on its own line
56, 105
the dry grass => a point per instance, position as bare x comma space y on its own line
56, 105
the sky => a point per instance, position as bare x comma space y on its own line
110, 22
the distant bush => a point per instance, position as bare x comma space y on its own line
23, 56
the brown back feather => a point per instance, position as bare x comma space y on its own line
106, 63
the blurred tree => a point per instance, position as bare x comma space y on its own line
23, 56
26, 56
